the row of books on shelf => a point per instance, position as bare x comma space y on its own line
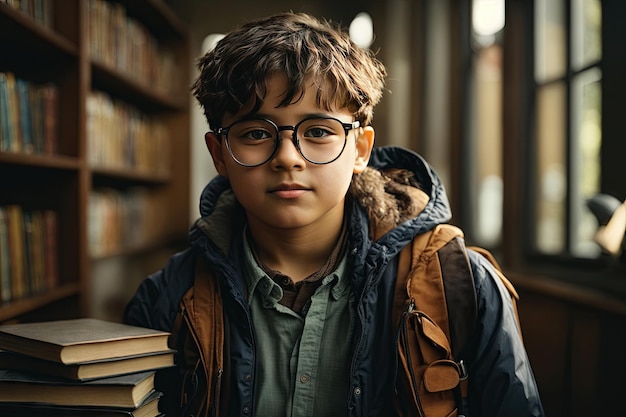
81, 367
120, 136
28, 115
28, 252
123, 43
124, 220
39, 10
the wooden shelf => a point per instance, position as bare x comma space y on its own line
58, 54
26, 305
106, 175
31, 35
144, 96
59, 162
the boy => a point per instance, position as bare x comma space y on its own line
282, 305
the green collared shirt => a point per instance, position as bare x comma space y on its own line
303, 362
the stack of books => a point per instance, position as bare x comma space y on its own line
80, 367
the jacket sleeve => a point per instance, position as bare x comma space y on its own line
501, 380
138, 310
155, 302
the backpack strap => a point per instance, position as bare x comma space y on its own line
458, 282
198, 335
429, 293
428, 377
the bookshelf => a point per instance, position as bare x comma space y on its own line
101, 135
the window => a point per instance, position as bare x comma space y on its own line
565, 160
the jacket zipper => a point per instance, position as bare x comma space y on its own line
359, 343
217, 384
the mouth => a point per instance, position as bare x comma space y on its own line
289, 191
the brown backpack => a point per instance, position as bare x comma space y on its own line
435, 310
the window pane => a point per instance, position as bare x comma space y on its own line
487, 140
586, 32
550, 40
551, 185
586, 143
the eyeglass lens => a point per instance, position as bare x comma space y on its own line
254, 141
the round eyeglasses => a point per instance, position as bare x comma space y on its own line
253, 142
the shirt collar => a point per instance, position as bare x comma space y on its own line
271, 293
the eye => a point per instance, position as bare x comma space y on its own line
257, 134
251, 131
319, 129
317, 132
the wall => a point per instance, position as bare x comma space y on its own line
574, 339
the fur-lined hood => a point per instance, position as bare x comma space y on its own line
399, 185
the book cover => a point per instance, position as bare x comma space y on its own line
81, 340
22, 88
148, 408
51, 267
15, 229
27, 228
50, 114
37, 252
13, 113
87, 370
120, 391
5, 118
36, 99
5, 268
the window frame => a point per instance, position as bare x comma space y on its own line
519, 126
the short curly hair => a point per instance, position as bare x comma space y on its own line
302, 48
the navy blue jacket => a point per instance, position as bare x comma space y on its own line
501, 382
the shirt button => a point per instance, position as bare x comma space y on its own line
357, 391
247, 378
246, 409
304, 378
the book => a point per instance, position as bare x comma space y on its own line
37, 252
148, 408
120, 391
87, 370
36, 100
15, 232
5, 117
28, 261
81, 340
15, 135
50, 112
5, 267
50, 229
22, 88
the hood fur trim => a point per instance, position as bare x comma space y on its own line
390, 197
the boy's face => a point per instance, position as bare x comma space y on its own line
288, 191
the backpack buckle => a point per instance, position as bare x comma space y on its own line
462, 370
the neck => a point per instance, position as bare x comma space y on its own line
297, 252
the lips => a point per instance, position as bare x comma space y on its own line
289, 191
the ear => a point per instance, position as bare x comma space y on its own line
364, 145
214, 145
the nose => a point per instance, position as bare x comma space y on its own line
287, 155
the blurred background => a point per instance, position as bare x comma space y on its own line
518, 104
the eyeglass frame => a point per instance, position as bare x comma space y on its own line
347, 127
